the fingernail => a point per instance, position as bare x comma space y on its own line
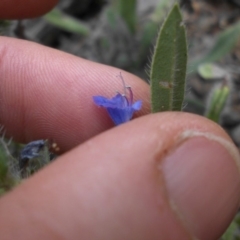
203, 181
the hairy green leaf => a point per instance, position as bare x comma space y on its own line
168, 68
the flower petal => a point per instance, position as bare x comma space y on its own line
116, 102
137, 105
99, 100
120, 100
120, 115
119, 108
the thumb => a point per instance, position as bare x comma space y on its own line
162, 176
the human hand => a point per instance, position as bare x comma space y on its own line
161, 176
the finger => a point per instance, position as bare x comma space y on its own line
162, 176
19, 9
46, 93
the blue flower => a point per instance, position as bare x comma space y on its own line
120, 108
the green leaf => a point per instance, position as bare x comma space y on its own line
217, 102
7, 180
65, 22
168, 68
224, 44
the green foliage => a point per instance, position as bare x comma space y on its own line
10, 172
168, 68
224, 44
127, 10
66, 22
217, 102
3, 166
7, 180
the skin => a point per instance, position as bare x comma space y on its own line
160, 176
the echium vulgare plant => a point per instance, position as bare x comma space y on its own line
121, 107
167, 78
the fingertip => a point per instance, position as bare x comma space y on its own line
202, 180
50, 94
